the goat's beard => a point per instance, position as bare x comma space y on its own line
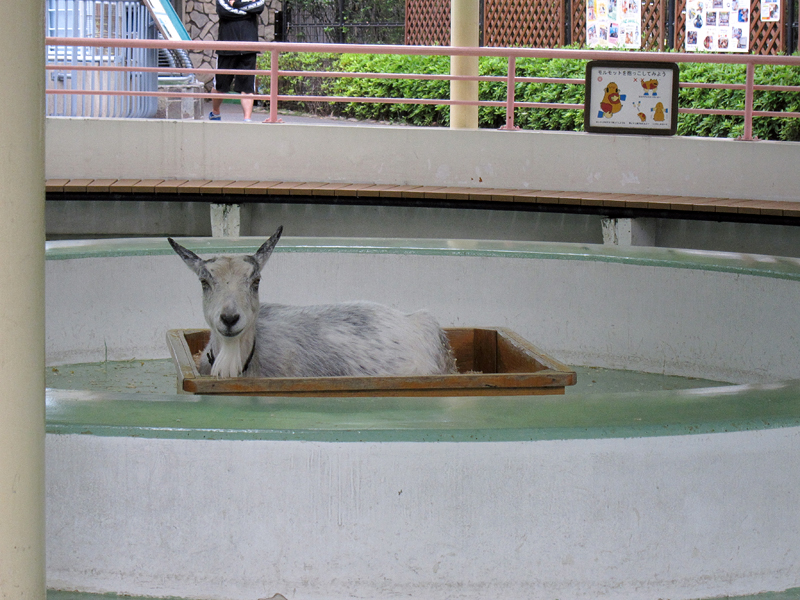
232, 354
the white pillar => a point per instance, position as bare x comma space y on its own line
226, 220
22, 572
629, 232
464, 32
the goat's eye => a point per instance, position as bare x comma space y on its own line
205, 284
254, 284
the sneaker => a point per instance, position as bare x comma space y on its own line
247, 120
213, 117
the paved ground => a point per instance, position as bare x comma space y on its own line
232, 112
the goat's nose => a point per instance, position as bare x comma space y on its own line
229, 320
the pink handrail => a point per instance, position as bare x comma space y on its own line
511, 54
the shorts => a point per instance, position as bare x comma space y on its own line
243, 84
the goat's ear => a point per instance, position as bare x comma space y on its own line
194, 262
263, 253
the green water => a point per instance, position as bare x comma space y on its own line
159, 377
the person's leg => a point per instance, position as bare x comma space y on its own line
222, 84
246, 85
216, 103
247, 106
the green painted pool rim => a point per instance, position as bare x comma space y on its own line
450, 419
742, 264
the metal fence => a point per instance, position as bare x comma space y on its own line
341, 21
76, 67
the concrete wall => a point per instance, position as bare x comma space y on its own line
622, 519
145, 149
727, 318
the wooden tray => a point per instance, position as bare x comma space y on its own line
491, 362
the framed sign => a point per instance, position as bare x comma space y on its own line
631, 97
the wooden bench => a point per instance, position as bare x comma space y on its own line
238, 192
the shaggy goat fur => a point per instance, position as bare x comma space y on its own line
274, 340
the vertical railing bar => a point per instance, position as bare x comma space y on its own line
274, 57
511, 88
748, 101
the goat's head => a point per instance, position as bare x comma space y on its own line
230, 286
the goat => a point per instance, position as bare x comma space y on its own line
274, 340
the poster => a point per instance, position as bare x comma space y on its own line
614, 23
717, 25
631, 97
770, 10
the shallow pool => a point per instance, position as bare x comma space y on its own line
159, 377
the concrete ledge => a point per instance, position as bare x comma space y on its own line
399, 156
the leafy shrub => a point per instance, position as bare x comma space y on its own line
526, 118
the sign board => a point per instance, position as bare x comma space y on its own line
717, 25
631, 97
167, 20
614, 23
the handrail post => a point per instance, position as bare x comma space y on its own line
273, 86
511, 94
748, 101
464, 33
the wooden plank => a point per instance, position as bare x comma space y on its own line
746, 207
169, 186
772, 208
192, 186
661, 201
467, 193
485, 351
283, 188
77, 185
215, 186
790, 209
399, 191
145, 186
462, 342
707, 204
328, 189
123, 186
352, 189
421, 192
260, 187
237, 187
374, 191
306, 189
502, 194
55, 185
100, 185
557, 197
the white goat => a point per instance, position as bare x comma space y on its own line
273, 340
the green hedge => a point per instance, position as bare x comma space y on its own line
540, 119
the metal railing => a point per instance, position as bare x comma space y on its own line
75, 68
275, 49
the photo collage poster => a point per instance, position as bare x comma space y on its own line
771, 10
614, 23
718, 25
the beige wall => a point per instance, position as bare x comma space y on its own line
132, 148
